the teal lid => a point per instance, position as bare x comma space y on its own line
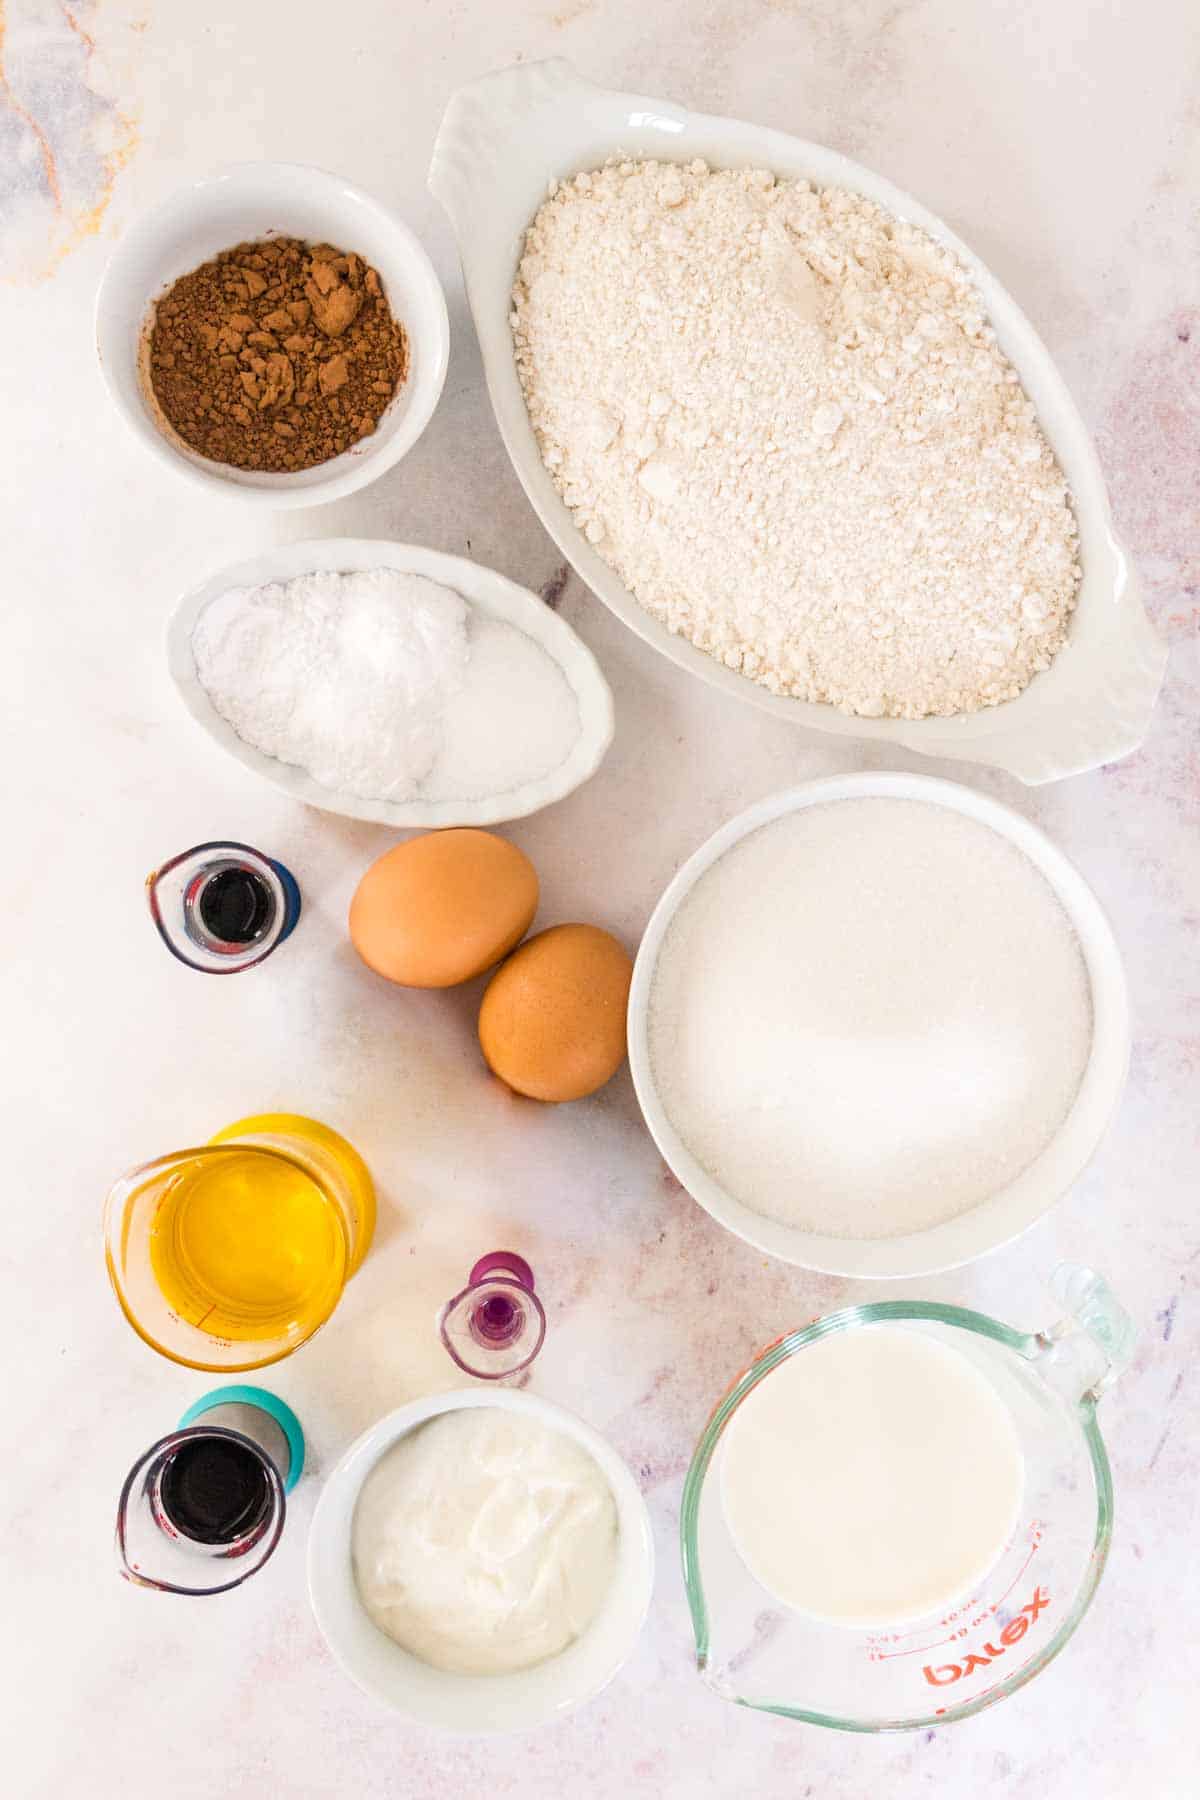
272, 1405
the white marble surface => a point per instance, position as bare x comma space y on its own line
1062, 141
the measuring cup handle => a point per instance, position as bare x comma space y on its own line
1093, 1343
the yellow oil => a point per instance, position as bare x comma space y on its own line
309, 1140
246, 1245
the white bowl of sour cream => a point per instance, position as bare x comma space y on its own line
475, 1702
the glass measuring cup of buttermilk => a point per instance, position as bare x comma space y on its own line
912, 1521
231, 1255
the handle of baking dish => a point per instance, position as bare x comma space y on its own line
524, 124
1116, 671
491, 122
1092, 707
1128, 672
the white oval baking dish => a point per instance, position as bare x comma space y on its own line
491, 593
1005, 1215
504, 138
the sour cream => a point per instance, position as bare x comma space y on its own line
484, 1542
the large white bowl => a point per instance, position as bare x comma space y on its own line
503, 139
491, 593
476, 1703
259, 200
1006, 1214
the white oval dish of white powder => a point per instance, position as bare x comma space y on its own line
868, 1017
385, 685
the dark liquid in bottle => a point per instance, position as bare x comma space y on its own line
214, 1491
497, 1320
236, 905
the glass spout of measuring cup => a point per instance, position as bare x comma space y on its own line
496, 1325
756, 1651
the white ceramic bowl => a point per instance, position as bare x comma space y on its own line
259, 200
1006, 1214
491, 593
475, 1703
504, 138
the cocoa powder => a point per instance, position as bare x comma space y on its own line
276, 355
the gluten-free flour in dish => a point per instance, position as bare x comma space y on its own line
781, 415
868, 1016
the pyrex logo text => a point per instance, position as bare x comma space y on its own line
1012, 1634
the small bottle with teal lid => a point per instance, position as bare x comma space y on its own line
204, 1508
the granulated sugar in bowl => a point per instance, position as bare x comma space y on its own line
878, 1025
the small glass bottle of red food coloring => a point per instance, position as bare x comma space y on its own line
496, 1325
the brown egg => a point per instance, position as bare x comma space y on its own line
552, 1022
442, 908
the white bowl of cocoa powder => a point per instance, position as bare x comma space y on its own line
274, 334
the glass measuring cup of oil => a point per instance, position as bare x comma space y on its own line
231, 1255
958, 1658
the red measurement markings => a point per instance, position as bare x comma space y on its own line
877, 1654
1034, 1544
947, 1673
